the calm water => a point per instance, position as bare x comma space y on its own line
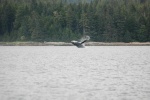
69, 73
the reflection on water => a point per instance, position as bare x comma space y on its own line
69, 73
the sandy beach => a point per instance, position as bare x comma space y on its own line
69, 44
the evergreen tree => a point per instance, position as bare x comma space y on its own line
63, 20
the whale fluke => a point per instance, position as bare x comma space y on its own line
80, 44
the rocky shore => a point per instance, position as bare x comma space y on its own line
69, 44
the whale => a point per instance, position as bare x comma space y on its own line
80, 44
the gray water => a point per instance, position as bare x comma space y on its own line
70, 73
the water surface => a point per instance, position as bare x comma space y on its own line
70, 73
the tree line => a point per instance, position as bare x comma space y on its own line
60, 20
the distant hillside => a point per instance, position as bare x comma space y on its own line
58, 20
27, 1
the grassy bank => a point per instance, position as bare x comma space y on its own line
69, 44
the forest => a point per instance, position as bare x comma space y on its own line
66, 20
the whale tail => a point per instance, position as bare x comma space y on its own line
84, 39
80, 44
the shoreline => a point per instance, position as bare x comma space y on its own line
70, 44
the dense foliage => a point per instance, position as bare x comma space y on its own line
59, 20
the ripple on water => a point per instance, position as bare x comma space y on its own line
69, 73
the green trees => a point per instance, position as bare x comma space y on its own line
59, 20
7, 17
